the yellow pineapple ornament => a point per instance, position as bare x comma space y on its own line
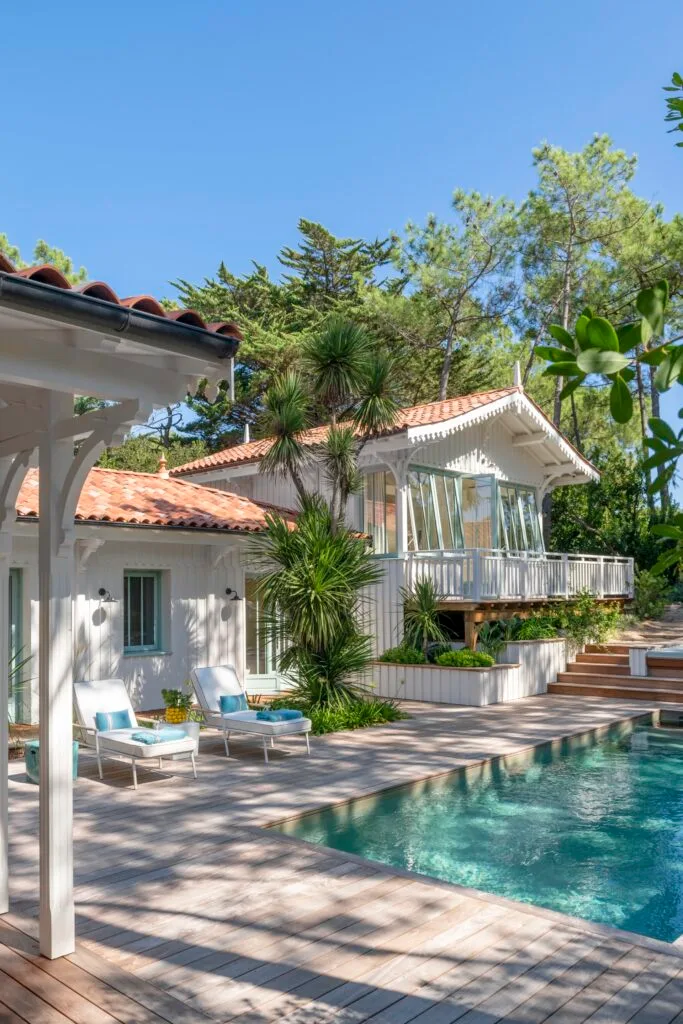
178, 705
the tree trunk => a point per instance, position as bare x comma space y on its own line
656, 414
566, 306
642, 409
447, 363
575, 424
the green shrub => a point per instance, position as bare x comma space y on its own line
404, 654
586, 620
652, 594
540, 628
465, 658
492, 638
336, 716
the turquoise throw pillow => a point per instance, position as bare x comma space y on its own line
107, 720
233, 702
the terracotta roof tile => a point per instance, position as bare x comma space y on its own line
46, 273
148, 499
413, 416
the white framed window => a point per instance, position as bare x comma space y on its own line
519, 520
379, 511
261, 653
142, 618
434, 510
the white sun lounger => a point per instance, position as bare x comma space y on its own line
111, 695
211, 683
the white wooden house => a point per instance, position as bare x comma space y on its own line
454, 492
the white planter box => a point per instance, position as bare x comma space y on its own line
525, 670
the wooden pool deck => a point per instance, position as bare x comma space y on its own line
188, 911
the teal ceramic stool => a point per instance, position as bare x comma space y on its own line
32, 754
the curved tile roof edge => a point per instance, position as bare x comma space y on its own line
46, 273
209, 509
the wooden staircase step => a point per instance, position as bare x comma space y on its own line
591, 668
609, 648
640, 682
588, 689
603, 659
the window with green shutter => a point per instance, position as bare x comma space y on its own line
141, 611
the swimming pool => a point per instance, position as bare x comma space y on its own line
592, 827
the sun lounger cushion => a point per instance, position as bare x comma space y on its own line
233, 702
122, 742
246, 721
107, 720
158, 735
280, 715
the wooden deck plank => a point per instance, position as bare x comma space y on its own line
189, 911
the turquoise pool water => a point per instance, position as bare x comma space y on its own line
594, 829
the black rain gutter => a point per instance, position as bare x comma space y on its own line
94, 314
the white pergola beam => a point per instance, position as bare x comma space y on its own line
82, 372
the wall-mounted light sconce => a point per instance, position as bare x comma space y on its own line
235, 595
105, 596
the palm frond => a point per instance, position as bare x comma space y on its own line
337, 362
378, 407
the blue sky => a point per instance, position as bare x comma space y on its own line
151, 140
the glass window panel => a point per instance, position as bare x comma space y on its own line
141, 612
527, 500
134, 611
445, 514
379, 511
513, 534
149, 611
255, 652
476, 511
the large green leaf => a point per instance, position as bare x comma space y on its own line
664, 530
668, 371
561, 370
660, 428
651, 302
595, 360
620, 401
601, 334
631, 335
581, 335
571, 387
554, 355
564, 337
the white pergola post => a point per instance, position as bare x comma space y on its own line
55, 672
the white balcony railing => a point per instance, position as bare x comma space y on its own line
485, 574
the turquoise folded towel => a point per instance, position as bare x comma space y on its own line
281, 715
158, 735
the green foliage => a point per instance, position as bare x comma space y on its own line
492, 639
421, 614
311, 586
674, 104
465, 658
589, 345
610, 517
404, 654
140, 454
356, 713
177, 699
586, 620
537, 628
651, 596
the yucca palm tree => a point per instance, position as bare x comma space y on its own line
286, 417
337, 360
311, 585
421, 615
